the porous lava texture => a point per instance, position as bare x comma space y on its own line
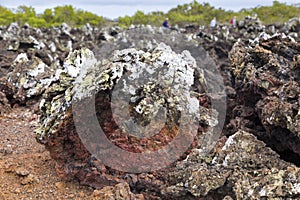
267, 91
150, 92
142, 101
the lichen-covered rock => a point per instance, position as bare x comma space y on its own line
244, 168
293, 26
262, 85
123, 80
153, 79
147, 37
267, 86
251, 25
29, 78
30, 57
57, 98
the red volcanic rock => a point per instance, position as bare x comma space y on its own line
149, 124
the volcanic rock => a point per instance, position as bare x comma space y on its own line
29, 58
165, 91
100, 90
120, 191
267, 88
292, 26
108, 84
251, 25
243, 168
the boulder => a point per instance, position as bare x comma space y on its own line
267, 89
142, 100
241, 168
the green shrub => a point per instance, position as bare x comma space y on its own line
50, 17
191, 13
201, 14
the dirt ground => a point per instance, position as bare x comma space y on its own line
26, 169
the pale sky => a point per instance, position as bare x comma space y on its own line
115, 8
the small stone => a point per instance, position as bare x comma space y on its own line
9, 168
21, 171
59, 185
227, 198
6, 150
18, 190
29, 180
118, 192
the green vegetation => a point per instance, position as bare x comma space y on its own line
196, 13
192, 13
278, 13
50, 17
6, 16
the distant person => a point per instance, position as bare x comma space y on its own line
213, 22
166, 23
233, 21
254, 16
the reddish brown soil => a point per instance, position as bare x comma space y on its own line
26, 169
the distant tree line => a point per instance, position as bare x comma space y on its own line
50, 17
197, 13
191, 13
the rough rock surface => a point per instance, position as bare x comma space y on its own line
267, 88
83, 77
292, 27
243, 168
5, 91
240, 168
29, 58
261, 79
120, 191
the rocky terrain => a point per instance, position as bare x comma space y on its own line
150, 113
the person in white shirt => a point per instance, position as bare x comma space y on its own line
213, 22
